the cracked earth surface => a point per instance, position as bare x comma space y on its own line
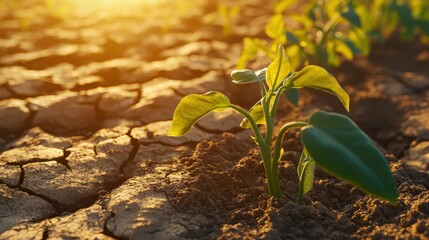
86, 102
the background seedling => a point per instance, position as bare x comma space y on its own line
227, 14
331, 141
323, 32
320, 33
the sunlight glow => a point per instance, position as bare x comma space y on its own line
113, 7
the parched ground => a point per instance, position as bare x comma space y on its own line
86, 102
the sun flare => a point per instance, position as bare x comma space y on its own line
111, 7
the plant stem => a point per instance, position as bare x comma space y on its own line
264, 148
252, 122
276, 156
321, 42
288, 126
277, 98
263, 89
269, 120
266, 157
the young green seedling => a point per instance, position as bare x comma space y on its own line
330, 140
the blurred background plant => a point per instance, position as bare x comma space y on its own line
325, 32
224, 15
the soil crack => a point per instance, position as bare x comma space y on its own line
106, 230
136, 146
45, 235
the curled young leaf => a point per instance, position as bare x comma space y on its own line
339, 147
261, 74
193, 107
316, 77
244, 76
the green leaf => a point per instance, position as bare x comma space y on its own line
352, 16
306, 169
278, 69
352, 46
292, 96
406, 19
257, 113
292, 38
193, 107
316, 77
344, 49
275, 27
340, 148
251, 47
244, 76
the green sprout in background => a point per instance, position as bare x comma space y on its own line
323, 32
227, 14
331, 141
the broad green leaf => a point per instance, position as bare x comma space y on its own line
316, 77
292, 96
244, 76
340, 148
278, 69
275, 27
193, 107
351, 16
305, 170
361, 40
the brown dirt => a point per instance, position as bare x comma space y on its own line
85, 105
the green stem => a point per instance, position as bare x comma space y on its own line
269, 121
288, 126
266, 156
252, 122
320, 43
263, 89
276, 156
266, 150
277, 98
264, 147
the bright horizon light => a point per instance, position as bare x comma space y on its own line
111, 7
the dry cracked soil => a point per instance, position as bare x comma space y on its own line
86, 102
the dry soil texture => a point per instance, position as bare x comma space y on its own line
86, 102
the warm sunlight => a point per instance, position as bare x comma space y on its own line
109, 7
214, 119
